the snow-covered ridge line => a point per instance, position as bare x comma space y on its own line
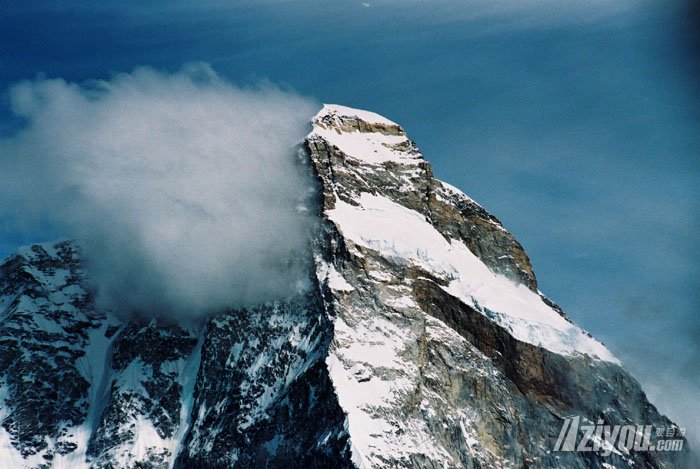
403, 235
336, 110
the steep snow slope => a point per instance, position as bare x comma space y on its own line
400, 233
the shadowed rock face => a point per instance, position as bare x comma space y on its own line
81, 388
411, 348
263, 397
45, 318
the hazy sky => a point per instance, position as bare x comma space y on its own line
576, 123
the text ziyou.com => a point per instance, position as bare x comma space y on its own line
616, 438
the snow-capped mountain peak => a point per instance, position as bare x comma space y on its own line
423, 342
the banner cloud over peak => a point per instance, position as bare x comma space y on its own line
183, 190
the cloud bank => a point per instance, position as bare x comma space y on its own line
185, 191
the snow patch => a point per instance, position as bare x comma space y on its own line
327, 272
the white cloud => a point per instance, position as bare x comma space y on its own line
183, 189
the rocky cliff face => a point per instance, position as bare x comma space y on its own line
422, 342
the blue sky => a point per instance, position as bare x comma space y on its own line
576, 123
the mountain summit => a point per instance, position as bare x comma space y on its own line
423, 342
